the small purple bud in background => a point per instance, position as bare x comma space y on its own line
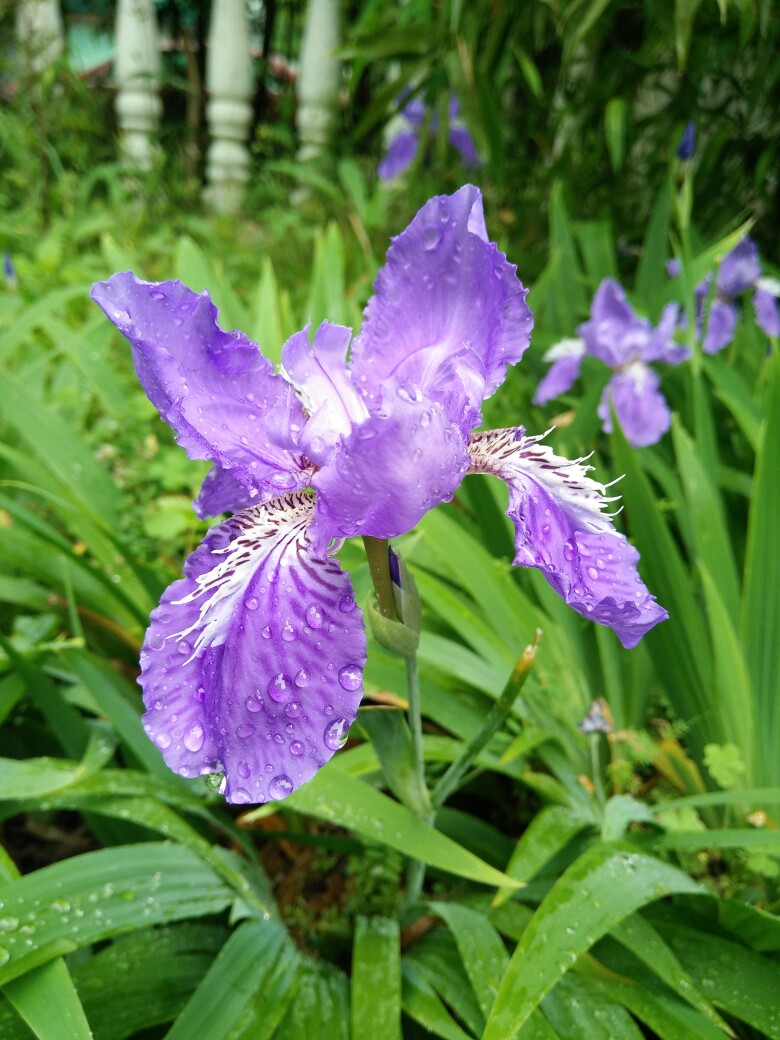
395, 567
687, 143
11, 281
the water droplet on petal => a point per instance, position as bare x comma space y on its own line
246, 729
266, 632
156, 640
240, 796
335, 734
569, 550
297, 747
351, 677
194, 737
280, 688
289, 632
346, 604
253, 703
430, 239
162, 740
252, 603
294, 709
243, 769
313, 616
280, 787
302, 678
593, 573
183, 647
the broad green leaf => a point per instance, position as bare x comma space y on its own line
619, 812
604, 886
335, 796
391, 738
267, 328
651, 276
376, 979
320, 1009
615, 126
739, 981
48, 1002
100, 894
421, 1003
234, 978
726, 838
664, 1013
481, 949
760, 622
549, 831
578, 1011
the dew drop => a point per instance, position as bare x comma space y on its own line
252, 603
294, 709
346, 604
183, 647
240, 796
350, 677
289, 632
313, 617
593, 573
156, 640
253, 703
266, 632
246, 729
302, 678
296, 747
194, 737
431, 238
335, 734
162, 740
569, 551
243, 769
280, 688
280, 787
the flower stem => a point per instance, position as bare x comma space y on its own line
496, 716
415, 875
379, 565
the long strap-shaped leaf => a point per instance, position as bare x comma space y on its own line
603, 887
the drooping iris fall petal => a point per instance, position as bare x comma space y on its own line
253, 664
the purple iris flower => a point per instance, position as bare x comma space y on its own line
739, 272
405, 144
252, 667
624, 341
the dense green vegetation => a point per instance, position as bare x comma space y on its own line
602, 858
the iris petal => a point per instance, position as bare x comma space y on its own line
444, 293
252, 666
641, 408
561, 528
213, 387
390, 471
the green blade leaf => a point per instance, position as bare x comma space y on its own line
599, 890
376, 979
48, 1002
481, 949
335, 796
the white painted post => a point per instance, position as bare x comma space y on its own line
39, 32
229, 81
319, 77
137, 70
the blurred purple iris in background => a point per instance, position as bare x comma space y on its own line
404, 145
739, 272
686, 146
252, 667
627, 343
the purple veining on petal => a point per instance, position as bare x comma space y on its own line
566, 358
561, 528
447, 304
252, 667
321, 376
213, 387
641, 408
391, 470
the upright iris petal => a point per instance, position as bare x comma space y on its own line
252, 665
